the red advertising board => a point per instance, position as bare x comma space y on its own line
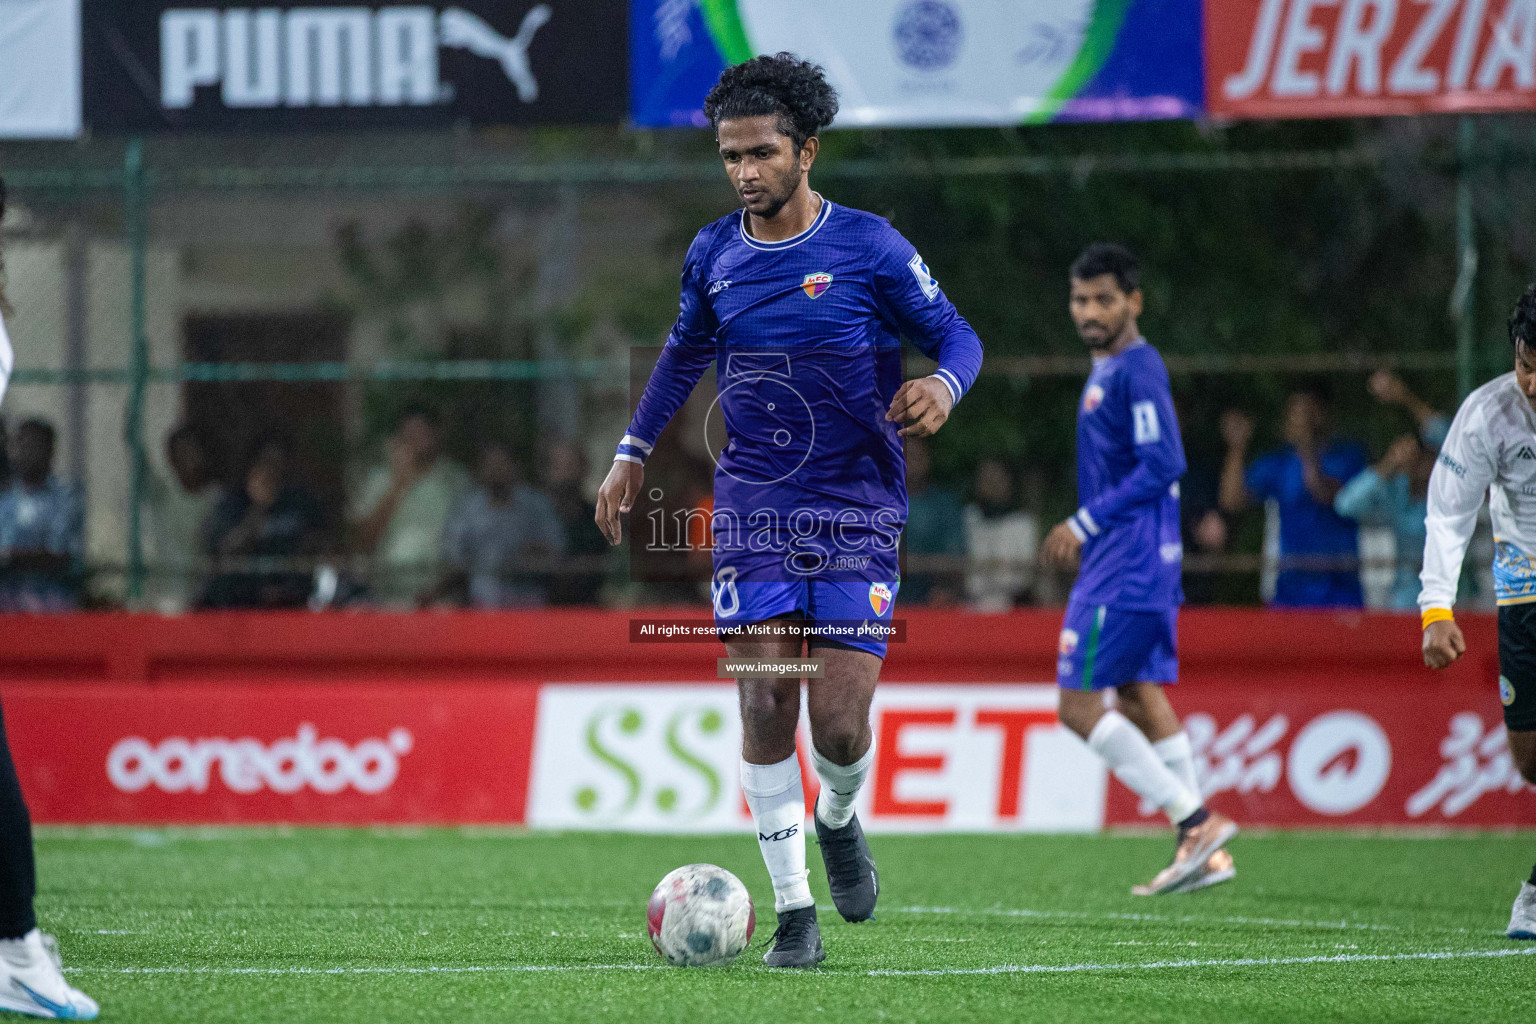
554, 719
429, 752
1348, 756
1346, 58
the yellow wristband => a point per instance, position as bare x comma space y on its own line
1431, 615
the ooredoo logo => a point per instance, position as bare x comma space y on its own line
180, 765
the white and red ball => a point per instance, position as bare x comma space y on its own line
700, 916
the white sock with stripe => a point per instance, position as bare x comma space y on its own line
840, 785
777, 800
1130, 756
1177, 753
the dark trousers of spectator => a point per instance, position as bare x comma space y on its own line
18, 870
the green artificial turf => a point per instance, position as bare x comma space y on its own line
433, 925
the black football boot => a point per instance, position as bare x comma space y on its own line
851, 873
797, 942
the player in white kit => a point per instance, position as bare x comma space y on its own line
1491, 450
31, 976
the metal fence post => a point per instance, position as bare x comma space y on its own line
136, 196
1464, 295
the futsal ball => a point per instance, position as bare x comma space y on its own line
700, 916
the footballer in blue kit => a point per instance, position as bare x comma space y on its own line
800, 304
1120, 632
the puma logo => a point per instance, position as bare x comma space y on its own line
466, 31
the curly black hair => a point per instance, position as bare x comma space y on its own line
1522, 323
784, 85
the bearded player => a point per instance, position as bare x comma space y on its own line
1121, 628
1491, 449
801, 304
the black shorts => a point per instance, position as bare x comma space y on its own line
1517, 666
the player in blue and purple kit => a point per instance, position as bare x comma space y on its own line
801, 305
1121, 628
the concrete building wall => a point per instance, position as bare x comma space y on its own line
231, 254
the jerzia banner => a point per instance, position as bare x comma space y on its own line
309, 65
1310, 58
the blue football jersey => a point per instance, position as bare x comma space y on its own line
805, 335
1129, 461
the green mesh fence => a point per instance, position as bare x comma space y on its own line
509, 286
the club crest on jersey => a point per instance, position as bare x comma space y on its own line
1093, 398
1068, 643
879, 597
815, 284
1506, 691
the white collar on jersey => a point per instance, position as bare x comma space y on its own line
821, 218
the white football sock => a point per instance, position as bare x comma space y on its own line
777, 801
1130, 756
1179, 756
840, 785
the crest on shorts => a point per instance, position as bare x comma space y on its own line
879, 598
1068, 642
815, 284
1506, 691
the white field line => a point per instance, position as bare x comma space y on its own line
1081, 915
1157, 965
574, 903
487, 969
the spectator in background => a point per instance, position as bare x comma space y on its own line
1389, 389
259, 530
42, 529
1394, 492
404, 506
178, 514
565, 474
1319, 549
935, 528
501, 543
1001, 541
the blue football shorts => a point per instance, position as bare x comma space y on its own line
839, 609
1102, 647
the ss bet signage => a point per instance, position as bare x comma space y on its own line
666, 758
